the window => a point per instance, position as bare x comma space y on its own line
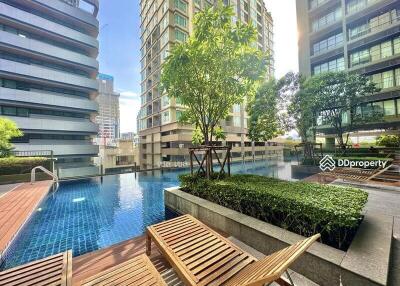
236, 108
165, 117
387, 78
327, 19
398, 106
236, 121
180, 20
181, 5
331, 66
389, 107
328, 43
386, 49
10, 111
165, 101
180, 36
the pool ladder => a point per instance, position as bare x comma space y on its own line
54, 176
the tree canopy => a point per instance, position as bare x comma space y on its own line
216, 68
335, 95
8, 131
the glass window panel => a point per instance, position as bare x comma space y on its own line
386, 49
389, 108
396, 45
10, 111
387, 78
23, 112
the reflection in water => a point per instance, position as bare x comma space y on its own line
91, 214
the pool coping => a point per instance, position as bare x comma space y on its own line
44, 187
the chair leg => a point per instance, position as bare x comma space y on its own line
148, 245
290, 278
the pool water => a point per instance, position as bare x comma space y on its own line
88, 215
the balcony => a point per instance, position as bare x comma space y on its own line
79, 14
59, 125
368, 7
43, 25
33, 46
52, 99
60, 148
369, 31
42, 74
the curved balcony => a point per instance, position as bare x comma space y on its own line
11, 13
33, 46
45, 75
32, 98
74, 12
58, 125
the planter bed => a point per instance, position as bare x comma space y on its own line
303, 208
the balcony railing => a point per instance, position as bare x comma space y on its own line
359, 5
377, 28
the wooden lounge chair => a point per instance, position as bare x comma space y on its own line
354, 174
53, 270
135, 272
200, 256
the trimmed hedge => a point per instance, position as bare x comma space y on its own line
301, 207
22, 165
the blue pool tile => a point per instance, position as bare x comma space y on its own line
88, 215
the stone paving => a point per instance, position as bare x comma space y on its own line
387, 202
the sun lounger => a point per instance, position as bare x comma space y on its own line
53, 270
201, 256
134, 272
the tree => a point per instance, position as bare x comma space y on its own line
8, 131
263, 112
216, 68
302, 108
336, 95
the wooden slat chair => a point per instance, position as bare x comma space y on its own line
53, 270
136, 271
202, 257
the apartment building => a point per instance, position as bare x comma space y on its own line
48, 86
165, 22
108, 117
361, 36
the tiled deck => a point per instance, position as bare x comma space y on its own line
16, 206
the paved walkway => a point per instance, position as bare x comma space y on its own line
16, 206
388, 203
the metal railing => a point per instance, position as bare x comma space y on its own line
33, 175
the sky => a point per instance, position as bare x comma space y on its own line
120, 49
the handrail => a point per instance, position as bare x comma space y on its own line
33, 174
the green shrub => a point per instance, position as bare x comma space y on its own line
22, 165
301, 207
388, 141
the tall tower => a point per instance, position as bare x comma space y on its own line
361, 36
48, 71
163, 23
108, 117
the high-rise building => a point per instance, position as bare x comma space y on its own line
361, 36
48, 70
108, 116
163, 23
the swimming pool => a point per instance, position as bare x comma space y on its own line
91, 214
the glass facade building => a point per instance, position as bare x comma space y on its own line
360, 36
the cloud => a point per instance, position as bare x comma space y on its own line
129, 105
